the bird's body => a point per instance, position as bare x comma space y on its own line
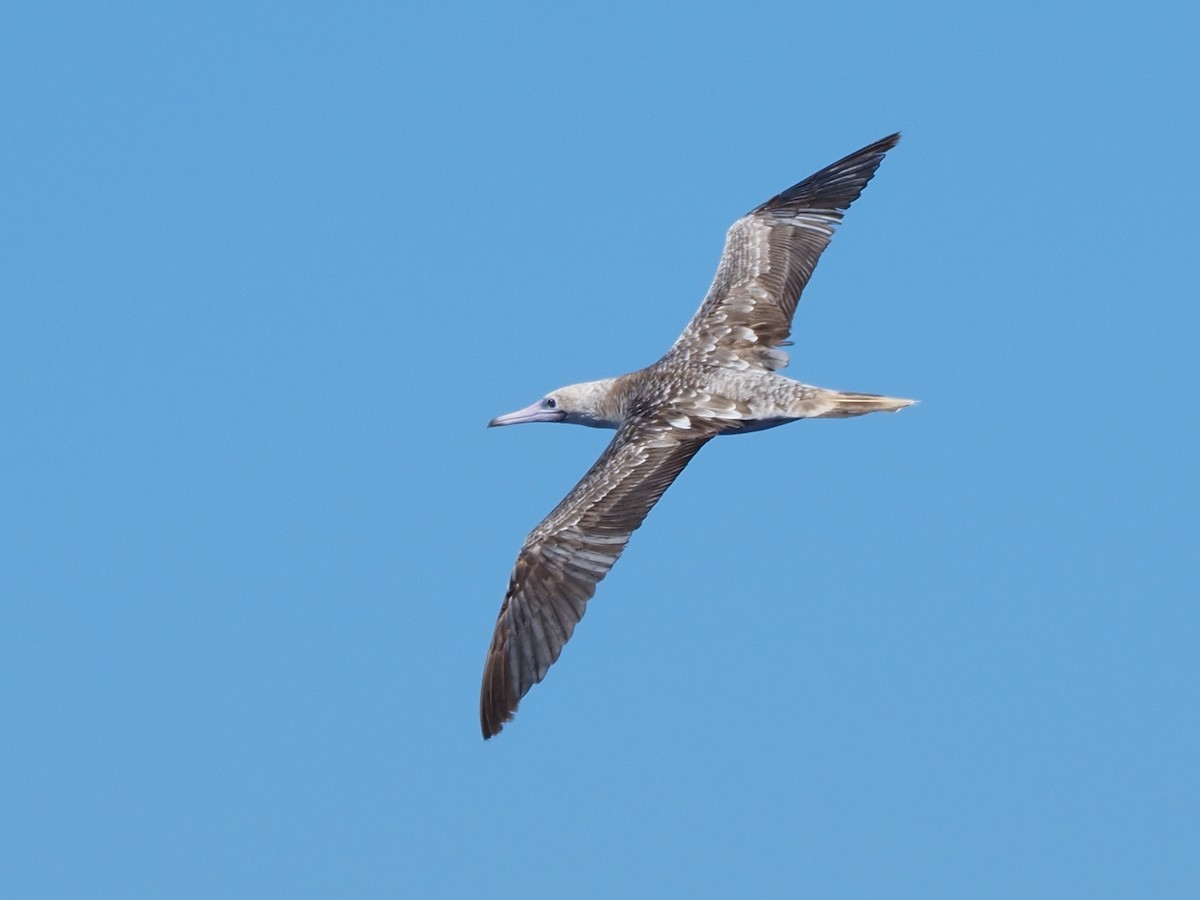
718, 378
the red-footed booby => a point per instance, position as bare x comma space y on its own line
718, 378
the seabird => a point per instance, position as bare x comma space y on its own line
718, 378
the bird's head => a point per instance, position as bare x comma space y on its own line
591, 403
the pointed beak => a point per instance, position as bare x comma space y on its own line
534, 413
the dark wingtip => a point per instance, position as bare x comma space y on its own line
496, 703
837, 185
883, 145
492, 719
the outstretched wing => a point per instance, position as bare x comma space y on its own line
570, 552
769, 256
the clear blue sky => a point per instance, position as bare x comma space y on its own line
268, 269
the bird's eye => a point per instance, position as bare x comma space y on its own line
550, 403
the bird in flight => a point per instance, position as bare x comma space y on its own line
720, 377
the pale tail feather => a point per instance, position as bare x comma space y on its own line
842, 404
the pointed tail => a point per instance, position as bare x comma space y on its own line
842, 404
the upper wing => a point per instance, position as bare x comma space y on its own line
769, 256
569, 552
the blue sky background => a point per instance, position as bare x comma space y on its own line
268, 269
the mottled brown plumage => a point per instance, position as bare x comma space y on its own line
718, 378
